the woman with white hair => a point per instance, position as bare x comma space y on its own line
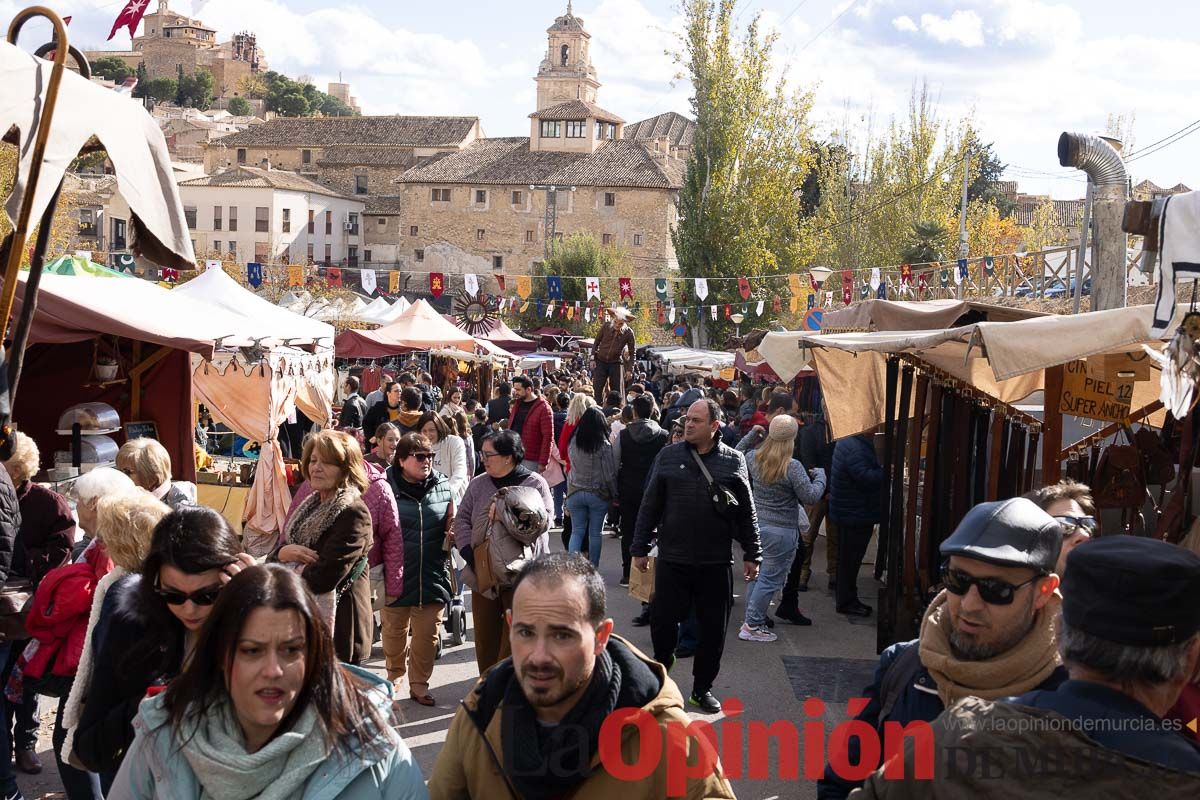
43, 542
148, 464
88, 489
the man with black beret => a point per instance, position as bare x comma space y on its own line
989, 633
1130, 639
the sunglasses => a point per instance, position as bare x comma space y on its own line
421, 457
1088, 524
992, 591
201, 597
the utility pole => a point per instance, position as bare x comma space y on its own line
964, 248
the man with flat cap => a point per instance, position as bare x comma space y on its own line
989, 633
1130, 639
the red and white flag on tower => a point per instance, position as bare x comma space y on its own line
129, 17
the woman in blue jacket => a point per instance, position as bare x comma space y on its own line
265, 710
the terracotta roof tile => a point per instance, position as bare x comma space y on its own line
384, 206
510, 161
575, 109
368, 156
675, 128
395, 131
254, 177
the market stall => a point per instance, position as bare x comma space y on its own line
498, 333
421, 327
957, 413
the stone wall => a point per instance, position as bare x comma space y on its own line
516, 232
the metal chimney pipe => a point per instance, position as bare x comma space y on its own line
1101, 162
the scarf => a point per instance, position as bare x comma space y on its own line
548, 762
1015, 672
514, 478
217, 755
313, 518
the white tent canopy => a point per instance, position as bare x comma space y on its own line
276, 325
397, 309
375, 310
680, 360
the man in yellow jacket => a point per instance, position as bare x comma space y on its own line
576, 712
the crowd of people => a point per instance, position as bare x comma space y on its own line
187, 668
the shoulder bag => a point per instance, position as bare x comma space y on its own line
723, 499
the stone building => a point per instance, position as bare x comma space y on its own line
170, 42
350, 155
492, 206
272, 216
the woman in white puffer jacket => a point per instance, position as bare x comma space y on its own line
449, 452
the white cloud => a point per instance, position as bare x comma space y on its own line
904, 23
963, 27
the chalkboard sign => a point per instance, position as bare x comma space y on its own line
140, 430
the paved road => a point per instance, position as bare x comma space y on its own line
830, 660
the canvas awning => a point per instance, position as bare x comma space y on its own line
419, 328
910, 315
74, 309
500, 334
1005, 360
274, 325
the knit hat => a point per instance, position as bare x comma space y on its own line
783, 427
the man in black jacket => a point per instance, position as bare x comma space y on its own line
354, 407
636, 448
10, 523
695, 543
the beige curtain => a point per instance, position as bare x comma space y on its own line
253, 405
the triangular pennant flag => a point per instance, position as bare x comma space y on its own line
393, 282
864, 291
626, 288
524, 286
702, 288
170, 275
794, 285
847, 286
905, 276
646, 313
500, 282
549, 310
470, 283
829, 299
125, 262
777, 305
961, 273
875, 279
728, 313
660, 288
881, 290
713, 311
554, 287
758, 309
587, 314
811, 300
437, 284
671, 314
592, 285
254, 274
944, 278
744, 288
793, 304
922, 286
333, 276
538, 308
524, 306
989, 266
296, 275
367, 277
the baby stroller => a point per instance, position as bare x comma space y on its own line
455, 623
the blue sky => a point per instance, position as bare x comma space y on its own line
1026, 69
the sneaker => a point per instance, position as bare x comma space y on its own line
705, 702
748, 634
623, 582
793, 615
684, 652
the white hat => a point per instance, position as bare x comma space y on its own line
621, 312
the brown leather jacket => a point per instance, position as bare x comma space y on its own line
610, 343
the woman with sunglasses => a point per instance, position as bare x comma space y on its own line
266, 711
417, 583
150, 624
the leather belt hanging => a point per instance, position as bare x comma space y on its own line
996, 456
929, 486
1005, 480
908, 604
945, 467
891, 387
1030, 460
961, 493
982, 420
890, 549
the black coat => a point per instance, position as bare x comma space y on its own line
10, 523
677, 503
854, 484
354, 411
133, 648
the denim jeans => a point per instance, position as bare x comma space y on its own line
587, 519
778, 547
8, 775
560, 496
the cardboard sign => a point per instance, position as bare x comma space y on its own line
1086, 395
